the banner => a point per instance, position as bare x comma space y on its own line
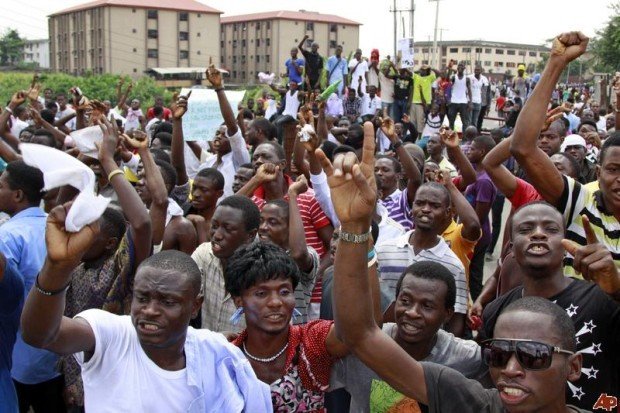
405, 51
203, 116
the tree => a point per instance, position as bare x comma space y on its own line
11, 48
606, 45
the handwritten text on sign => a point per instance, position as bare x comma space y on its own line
203, 116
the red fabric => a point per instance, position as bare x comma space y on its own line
524, 194
167, 114
501, 101
307, 341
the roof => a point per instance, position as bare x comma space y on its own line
306, 15
176, 70
181, 5
483, 43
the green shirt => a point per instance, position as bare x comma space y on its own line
423, 83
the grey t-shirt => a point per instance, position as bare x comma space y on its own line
368, 390
450, 391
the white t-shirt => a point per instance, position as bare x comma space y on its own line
18, 126
370, 106
120, 377
459, 90
476, 87
361, 70
387, 88
68, 111
291, 106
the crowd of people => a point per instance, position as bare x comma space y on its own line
320, 253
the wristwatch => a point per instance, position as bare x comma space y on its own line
354, 238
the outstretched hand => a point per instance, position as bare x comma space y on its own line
63, 247
108, 145
179, 106
593, 260
136, 139
214, 76
352, 183
449, 138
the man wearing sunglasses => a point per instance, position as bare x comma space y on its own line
538, 246
532, 319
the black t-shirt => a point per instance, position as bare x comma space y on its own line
314, 62
402, 87
597, 325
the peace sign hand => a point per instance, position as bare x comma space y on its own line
352, 184
594, 260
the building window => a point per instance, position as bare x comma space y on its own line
183, 54
242, 58
309, 26
521, 52
235, 27
511, 64
332, 44
424, 62
222, 44
478, 49
234, 60
135, 70
183, 17
454, 50
234, 73
487, 63
243, 74
257, 42
267, 58
234, 44
499, 64
198, 34
134, 50
425, 50
134, 31
257, 58
198, 52
152, 34
268, 25
243, 26
333, 28
488, 51
153, 53
151, 14
242, 42
257, 25
511, 52
222, 59
499, 51
466, 49
532, 54
133, 10
183, 36
267, 42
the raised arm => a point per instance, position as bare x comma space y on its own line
414, 177
467, 215
536, 164
177, 150
59, 136
42, 323
215, 78
17, 99
492, 163
468, 173
354, 193
296, 238
135, 212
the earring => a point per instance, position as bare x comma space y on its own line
234, 319
296, 313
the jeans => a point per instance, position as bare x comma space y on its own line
399, 109
460, 108
483, 110
42, 397
474, 114
389, 107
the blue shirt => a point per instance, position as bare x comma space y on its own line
338, 69
11, 302
22, 241
293, 76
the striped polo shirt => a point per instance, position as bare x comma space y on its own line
398, 208
394, 256
578, 200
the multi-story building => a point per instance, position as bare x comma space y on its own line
130, 36
37, 51
494, 57
262, 42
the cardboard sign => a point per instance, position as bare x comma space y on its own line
203, 116
405, 50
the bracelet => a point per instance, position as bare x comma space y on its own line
8, 109
372, 262
354, 238
47, 292
114, 173
371, 254
217, 89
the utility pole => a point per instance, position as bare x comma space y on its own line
433, 61
394, 10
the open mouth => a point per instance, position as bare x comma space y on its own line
148, 328
538, 249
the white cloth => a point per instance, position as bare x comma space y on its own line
370, 106
291, 105
601, 125
174, 210
387, 88
272, 108
388, 228
459, 90
360, 70
266, 78
61, 169
120, 377
476, 87
86, 138
68, 111
18, 126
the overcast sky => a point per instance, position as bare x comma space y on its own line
520, 21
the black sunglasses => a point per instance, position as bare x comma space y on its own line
532, 355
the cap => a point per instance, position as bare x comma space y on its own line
572, 140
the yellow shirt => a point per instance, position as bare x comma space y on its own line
463, 248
